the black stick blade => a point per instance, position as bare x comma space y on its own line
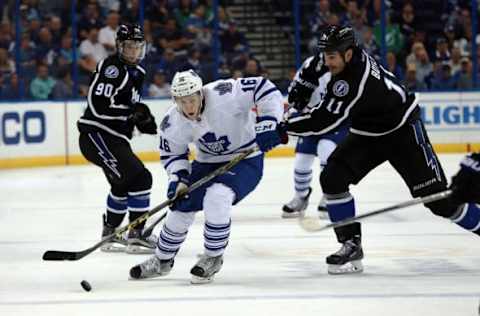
53, 255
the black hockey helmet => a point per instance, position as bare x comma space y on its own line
336, 38
130, 43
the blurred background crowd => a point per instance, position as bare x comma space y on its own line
49, 48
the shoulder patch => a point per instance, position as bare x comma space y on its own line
340, 88
223, 88
165, 124
112, 72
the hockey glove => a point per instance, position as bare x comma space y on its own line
143, 119
466, 183
178, 182
299, 94
267, 133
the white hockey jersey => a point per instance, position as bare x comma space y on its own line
226, 126
321, 90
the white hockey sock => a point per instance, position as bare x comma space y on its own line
217, 206
173, 233
302, 174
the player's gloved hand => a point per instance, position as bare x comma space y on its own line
299, 94
143, 119
267, 133
178, 182
466, 183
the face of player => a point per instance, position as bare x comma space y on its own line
336, 62
190, 105
133, 51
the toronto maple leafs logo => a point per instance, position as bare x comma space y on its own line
165, 124
214, 144
223, 88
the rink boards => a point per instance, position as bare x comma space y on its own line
45, 133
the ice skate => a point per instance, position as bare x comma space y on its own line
137, 243
348, 259
117, 244
322, 209
151, 268
205, 269
297, 206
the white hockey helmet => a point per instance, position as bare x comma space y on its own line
187, 93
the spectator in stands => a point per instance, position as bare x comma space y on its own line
321, 16
370, 45
193, 62
441, 50
106, 36
464, 42
394, 38
42, 85
130, 11
233, 41
159, 13
6, 34
464, 75
168, 64
159, 87
11, 90
449, 33
408, 23
393, 66
27, 55
352, 11
44, 49
182, 12
109, 6
411, 81
63, 88
7, 65
444, 79
419, 57
55, 27
196, 22
455, 60
90, 19
359, 27
65, 53
34, 26
171, 37
92, 47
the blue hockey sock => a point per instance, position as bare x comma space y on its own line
138, 204
468, 218
340, 206
116, 209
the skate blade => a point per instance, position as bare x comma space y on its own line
293, 214
199, 280
113, 248
138, 250
355, 266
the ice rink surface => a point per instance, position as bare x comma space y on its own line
415, 264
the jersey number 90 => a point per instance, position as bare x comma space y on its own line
104, 89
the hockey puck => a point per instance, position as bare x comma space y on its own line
86, 286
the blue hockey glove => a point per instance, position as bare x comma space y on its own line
267, 134
179, 181
466, 183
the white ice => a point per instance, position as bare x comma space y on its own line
415, 264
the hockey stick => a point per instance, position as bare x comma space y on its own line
312, 225
58, 255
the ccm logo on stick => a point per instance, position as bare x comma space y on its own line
28, 126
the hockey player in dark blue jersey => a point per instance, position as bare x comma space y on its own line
385, 126
114, 110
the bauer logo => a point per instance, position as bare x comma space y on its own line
451, 115
22, 127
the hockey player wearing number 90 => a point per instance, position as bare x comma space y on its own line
219, 120
385, 126
106, 127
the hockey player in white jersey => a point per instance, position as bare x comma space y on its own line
219, 120
309, 147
